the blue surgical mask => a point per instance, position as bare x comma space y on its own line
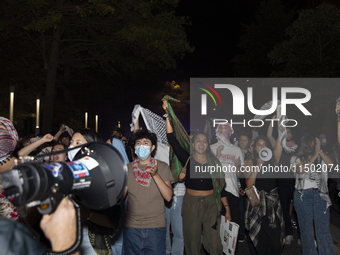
71, 154
142, 151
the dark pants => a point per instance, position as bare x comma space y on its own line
243, 201
234, 205
251, 247
269, 239
200, 213
286, 197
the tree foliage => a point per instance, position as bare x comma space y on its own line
259, 38
108, 36
312, 48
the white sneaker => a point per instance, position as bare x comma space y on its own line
288, 239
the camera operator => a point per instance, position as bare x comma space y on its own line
59, 227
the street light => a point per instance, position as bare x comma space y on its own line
118, 123
11, 102
37, 119
85, 119
97, 123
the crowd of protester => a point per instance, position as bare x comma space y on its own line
169, 208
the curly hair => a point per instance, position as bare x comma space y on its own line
140, 134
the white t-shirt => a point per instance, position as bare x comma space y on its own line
228, 155
309, 184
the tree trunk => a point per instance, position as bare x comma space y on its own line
50, 84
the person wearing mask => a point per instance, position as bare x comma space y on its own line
8, 142
149, 183
311, 198
59, 227
99, 227
325, 144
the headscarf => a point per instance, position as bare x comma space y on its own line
8, 140
223, 134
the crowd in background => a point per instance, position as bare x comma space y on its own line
169, 208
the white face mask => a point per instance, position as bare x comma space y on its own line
71, 154
324, 141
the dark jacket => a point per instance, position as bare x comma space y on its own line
16, 239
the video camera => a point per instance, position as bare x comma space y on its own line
97, 177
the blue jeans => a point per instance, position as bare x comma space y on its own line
173, 211
117, 247
144, 241
85, 246
311, 207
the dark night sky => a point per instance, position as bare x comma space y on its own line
215, 31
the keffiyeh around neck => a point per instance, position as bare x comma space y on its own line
291, 144
223, 134
8, 140
143, 176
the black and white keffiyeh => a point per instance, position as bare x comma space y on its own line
269, 205
154, 123
282, 129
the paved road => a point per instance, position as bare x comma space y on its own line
295, 249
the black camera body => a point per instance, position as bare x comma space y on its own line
97, 177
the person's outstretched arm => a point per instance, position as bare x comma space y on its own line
270, 133
180, 152
7, 165
31, 147
58, 134
278, 151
